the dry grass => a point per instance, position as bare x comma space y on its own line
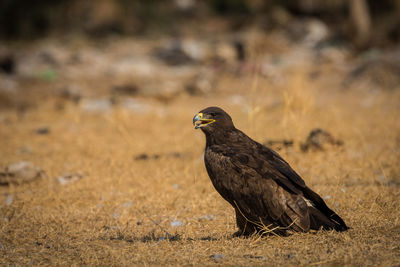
120, 213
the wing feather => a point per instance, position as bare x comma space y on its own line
242, 177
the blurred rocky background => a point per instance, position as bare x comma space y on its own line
360, 22
77, 50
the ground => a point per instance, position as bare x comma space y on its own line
144, 196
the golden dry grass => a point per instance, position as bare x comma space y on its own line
120, 212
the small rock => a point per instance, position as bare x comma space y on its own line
9, 86
72, 92
206, 217
175, 186
126, 89
142, 156
225, 52
165, 90
237, 100
96, 105
20, 172
368, 71
319, 139
25, 150
7, 64
134, 105
327, 197
278, 144
290, 256
254, 257
174, 155
48, 58
42, 130
201, 84
176, 223
185, 5
309, 32
128, 204
197, 50
173, 54
9, 200
217, 257
69, 178
145, 156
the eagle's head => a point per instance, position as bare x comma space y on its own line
212, 119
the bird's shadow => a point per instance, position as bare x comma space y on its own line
151, 237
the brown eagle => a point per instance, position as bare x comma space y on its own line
266, 193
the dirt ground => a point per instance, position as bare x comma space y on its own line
141, 194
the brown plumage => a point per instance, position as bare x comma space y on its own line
261, 186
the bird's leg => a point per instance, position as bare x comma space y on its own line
246, 228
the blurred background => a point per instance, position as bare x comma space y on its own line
360, 22
163, 49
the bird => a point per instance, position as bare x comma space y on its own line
268, 196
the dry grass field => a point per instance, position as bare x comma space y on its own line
144, 197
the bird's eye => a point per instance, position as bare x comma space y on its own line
213, 114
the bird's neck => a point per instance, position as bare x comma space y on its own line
218, 138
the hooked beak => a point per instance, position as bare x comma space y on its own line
199, 121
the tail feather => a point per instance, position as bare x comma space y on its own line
321, 215
318, 220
